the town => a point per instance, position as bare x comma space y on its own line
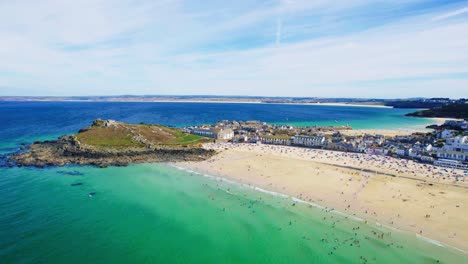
445, 145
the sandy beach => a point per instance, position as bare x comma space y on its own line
422, 199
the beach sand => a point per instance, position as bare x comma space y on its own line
422, 199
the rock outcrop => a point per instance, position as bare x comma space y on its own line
70, 150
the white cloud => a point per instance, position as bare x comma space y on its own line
166, 47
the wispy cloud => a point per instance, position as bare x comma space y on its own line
279, 26
457, 12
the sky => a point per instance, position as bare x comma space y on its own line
339, 48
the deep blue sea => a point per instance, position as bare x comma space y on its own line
155, 213
21, 122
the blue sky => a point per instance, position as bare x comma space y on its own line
340, 48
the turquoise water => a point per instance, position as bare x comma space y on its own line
154, 213
386, 121
157, 214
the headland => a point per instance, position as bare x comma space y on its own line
108, 142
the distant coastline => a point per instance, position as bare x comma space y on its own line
206, 101
361, 102
420, 103
352, 104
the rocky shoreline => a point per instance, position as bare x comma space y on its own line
66, 150
143, 143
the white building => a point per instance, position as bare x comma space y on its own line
446, 133
308, 141
275, 141
451, 163
225, 134
400, 152
428, 148
216, 133
454, 149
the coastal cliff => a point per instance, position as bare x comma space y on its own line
108, 142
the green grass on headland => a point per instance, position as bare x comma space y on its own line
107, 137
121, 135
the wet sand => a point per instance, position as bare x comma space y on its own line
423, 199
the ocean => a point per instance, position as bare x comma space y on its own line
158, 213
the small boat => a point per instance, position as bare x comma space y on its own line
91, 194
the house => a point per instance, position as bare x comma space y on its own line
225, 134
400, 152
428, 148
446, 134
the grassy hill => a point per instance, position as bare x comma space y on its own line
112, 134
447, 111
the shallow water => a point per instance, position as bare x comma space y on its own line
156, 213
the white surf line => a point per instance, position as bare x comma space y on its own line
295, 199
231, 182
435, 242
276, 194
440, 244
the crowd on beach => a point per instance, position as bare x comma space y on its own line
396, 194
368, 162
